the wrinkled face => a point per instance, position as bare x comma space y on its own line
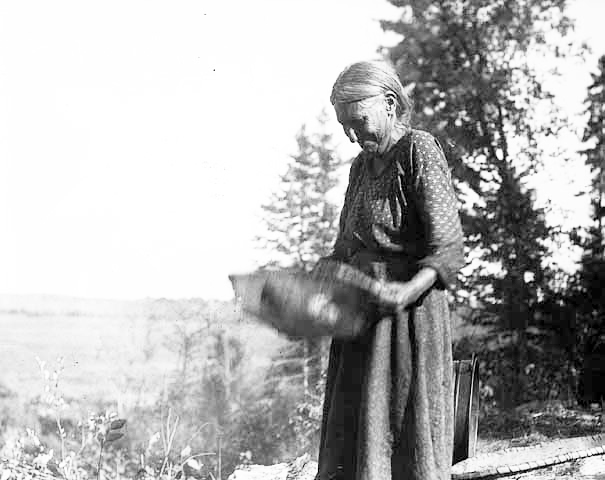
366, 122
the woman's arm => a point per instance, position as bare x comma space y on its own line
437, 205
403, 294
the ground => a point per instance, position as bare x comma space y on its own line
530, 424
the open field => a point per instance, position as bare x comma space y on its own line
111, 349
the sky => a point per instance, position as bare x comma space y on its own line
138, 139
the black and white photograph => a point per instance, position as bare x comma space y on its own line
302, 240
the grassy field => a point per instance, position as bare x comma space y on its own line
100, 342
111, 350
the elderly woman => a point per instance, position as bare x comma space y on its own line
388, 405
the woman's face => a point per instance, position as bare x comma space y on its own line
366, 122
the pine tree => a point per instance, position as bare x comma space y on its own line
301, 222
468, 62
590, 297
594, 134
301, 225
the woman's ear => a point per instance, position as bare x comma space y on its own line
391, 102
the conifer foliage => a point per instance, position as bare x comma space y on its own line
590, 296
594, 136
470, 65
301, 221
301, 226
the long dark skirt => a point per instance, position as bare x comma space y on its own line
388, 405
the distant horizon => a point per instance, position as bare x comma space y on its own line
109, 299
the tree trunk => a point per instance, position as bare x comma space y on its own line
226, 369
306, 361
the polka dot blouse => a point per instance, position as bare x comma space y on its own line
408, 209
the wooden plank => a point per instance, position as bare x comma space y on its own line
521, 459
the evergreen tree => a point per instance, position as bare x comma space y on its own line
594, 134
301, 225
470, 66
589, 295
301, 222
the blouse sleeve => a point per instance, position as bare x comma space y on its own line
438, 209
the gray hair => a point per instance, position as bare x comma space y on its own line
363, 80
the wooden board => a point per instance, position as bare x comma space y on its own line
521, 459
466, 408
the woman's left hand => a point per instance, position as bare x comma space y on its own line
398, 295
